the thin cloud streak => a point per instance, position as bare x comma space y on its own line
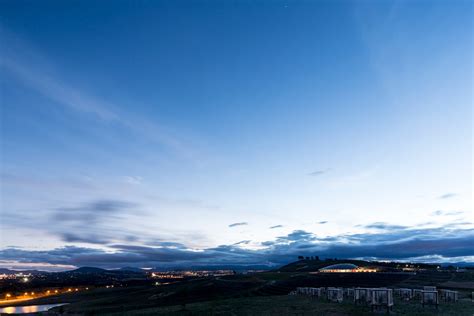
447, 196
28, 70
276, 226
319, 172
79, 101
238, 224
446, 213
59, 92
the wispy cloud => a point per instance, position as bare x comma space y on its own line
90, 222
243, 242
384, 226
276, 226
447, 196
62, 94
98, 221
319, 172
446, 213
238, 224
35, 72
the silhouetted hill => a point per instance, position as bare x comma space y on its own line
309, 265
88, 270
314, 265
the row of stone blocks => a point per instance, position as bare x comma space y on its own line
375, 297
379, 297
429, 295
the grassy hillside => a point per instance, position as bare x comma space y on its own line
290, 305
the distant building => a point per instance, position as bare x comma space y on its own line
345, 268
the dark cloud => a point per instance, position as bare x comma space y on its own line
296, 236
98, 222
319, 172
91, 212
444, 243
92, 222
447, 195
238, 224
276, 226
83, 238
323, 222
95, 222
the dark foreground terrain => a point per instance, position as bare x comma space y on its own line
262, 293
294, 305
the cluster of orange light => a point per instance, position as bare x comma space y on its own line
48, 292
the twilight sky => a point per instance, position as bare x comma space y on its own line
145, 133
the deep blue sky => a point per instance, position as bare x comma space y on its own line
159, 124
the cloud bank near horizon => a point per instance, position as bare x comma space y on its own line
440, 244
93, 234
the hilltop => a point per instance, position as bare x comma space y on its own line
313, 265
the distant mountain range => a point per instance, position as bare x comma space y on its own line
310, 265
87, 270
233, 267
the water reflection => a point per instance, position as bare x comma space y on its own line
27, 309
